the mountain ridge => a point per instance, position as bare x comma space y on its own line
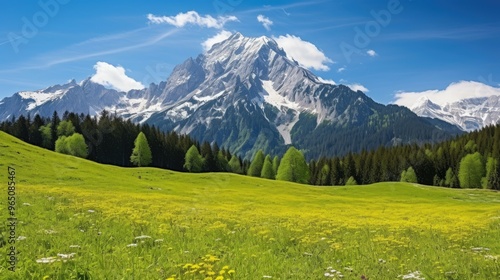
245, 94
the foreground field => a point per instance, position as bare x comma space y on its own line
82, 220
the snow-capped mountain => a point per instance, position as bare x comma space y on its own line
245, 94
468, 114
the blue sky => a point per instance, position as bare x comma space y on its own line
386, 47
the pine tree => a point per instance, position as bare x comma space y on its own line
235, 165
255, 168
293, 167
351, 181
492, 174
471, 171
267, 169
193, 160
141, 154
276, 164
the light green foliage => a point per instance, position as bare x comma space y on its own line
65, 128
46, 135
193, 160
409, 176
324, 174
471, 171
276, 165
451, 179
149, 223
471, 146
234, 165
222, 163
141, 154
351, 181
72, 145
255, 168
293, 167
267, 169
61, 145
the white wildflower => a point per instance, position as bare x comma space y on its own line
91, 211
143, 237
47, 260
26, 204
66, 256
20, 237
132, 245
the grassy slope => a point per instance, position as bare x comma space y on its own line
257, 227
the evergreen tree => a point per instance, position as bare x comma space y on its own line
193, 160
293, 167
267, 169
235, 165
351, 181
222, 163
255, 168
451, 179
471, 171
324, 175
141, 154
493, 174
53, 129
276, 164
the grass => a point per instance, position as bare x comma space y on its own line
147, 223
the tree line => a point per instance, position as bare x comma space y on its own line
471, 160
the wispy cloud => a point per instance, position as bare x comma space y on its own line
112, 44
192, 17
266, 22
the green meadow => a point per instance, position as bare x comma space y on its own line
77, 219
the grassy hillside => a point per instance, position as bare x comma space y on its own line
145, 223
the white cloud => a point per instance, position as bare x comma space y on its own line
454, 92
192, 17
266, 22
219, 37
371, 53
327, 81
305, 53
357, 87
114, 77
341, 69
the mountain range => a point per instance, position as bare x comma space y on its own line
247, 94
468, 114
